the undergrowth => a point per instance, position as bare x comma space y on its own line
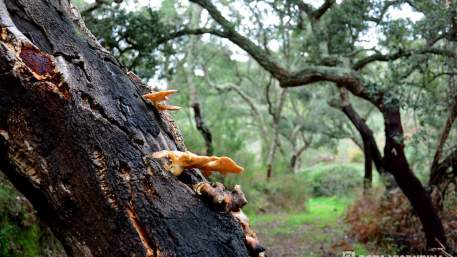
21, 233
389, 224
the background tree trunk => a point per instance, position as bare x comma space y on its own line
275, 112
395, 162
75, 136
370, 148
194, 103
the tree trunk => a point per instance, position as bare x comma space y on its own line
368, 175
295, 157
395, 162
203, 128
75, 136
371, 151
437, 170
276, 115
194, 103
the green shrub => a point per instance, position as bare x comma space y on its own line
334, 179
281, 193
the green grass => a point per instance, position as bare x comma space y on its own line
321, 212
320, 226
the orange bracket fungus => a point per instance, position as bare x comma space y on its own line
215, 193
225, 200
160, 96
178, 161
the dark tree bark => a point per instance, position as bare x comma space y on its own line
75, 136
371, 151
203, 128
439, 167
395, 162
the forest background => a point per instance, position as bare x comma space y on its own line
312, 171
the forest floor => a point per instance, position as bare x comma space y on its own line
320, 230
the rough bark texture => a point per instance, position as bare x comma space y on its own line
74, 139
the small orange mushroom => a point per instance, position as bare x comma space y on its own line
207, 164
157, 97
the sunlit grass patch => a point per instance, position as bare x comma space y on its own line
321, 212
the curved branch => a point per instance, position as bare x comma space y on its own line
317, 14
313, 13
93, 6
259, 54
188, 31
378, 57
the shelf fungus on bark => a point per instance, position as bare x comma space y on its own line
232, 202
215, 193
222, 199
157, 99
252, 243
179, 161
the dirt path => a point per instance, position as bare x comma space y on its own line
319, 231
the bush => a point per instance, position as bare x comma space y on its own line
389, 222
334, 179
281, 193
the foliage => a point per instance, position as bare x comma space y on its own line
287, 194
21, 233
333, 180
421, 84
388, 221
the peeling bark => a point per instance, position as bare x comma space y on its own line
74, 139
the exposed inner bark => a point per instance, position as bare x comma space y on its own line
74, 136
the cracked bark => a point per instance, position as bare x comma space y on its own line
74, 133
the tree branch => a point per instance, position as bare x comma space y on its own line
93, 6
188, 31
438, 166
317, 14
400, 54
259, 54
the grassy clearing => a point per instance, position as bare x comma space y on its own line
320, 211
313, 232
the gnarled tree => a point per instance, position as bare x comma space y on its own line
75, 136
345, 72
